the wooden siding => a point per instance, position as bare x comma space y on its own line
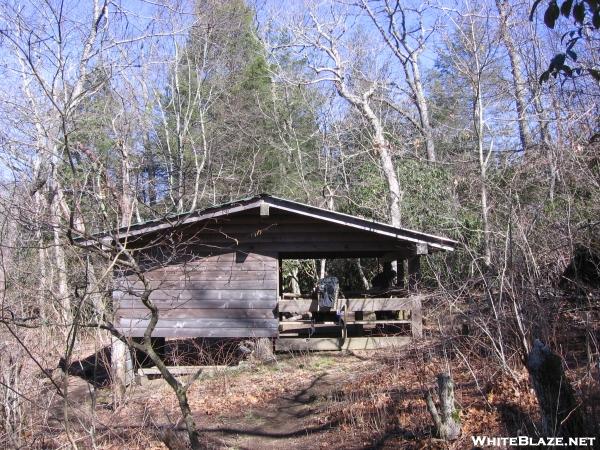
207, 296
279, 233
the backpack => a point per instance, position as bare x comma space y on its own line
327, 289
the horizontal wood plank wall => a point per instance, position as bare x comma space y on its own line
287, 234
224, 295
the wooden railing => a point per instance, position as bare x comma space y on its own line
410, 305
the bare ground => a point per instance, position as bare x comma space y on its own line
350, 401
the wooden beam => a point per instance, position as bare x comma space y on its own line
186, 370
173, 287
192, 275
264, 210
220, 304
298, 305
422, 248
329, 344
279, 276
180, 295
126, 323
202, 332
141, 312
302, 305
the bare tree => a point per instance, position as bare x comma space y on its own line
473, 54
519, 84
65, 63
403, 30
327, 36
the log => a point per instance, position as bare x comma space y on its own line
446, 420
560, 412
332, 344
171, 304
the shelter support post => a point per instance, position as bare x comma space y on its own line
414, 273
400, 274
416, 317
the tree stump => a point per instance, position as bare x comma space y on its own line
263, 350
447, 420
561, 415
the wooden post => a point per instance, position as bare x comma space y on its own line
400, 274
416, 317
264, 210
122, 369
414, 273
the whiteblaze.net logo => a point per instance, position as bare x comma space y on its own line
527, 441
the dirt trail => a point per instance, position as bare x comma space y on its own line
287, 423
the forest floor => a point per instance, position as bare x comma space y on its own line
320, 400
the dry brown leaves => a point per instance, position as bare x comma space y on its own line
233, 393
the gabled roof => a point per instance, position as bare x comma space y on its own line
301, 209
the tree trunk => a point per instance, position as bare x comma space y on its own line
447, 420
188, 418
561, 415
295, 286
392, 181
127, 194
11, 366
122, 369
61, 291
322, 268
518, 82
483, 162
361, 273
179, 389
382, 148
394, 34
423, 109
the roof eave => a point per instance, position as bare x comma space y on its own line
416, 237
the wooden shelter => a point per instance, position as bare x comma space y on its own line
217, 273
